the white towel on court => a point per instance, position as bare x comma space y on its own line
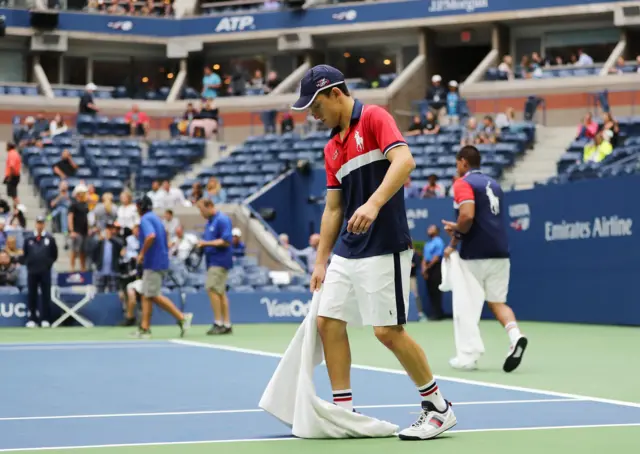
291, 396
468, 299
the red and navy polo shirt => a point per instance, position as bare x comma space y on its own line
487, 237
356, 165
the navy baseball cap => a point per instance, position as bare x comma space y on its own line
314, 81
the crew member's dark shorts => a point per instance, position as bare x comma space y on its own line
12, 186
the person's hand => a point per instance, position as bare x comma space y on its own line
140, 258
448, 251
73, 234
449, 227
362, 218
317, 277
201, 244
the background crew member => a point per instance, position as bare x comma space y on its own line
40, 253
432, 271
216, 243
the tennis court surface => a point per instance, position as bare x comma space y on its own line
171, 395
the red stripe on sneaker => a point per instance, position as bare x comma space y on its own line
342, 399
429, 392
436, 422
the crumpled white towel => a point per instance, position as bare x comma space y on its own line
291, 396
468, 300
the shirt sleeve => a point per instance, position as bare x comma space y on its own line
225, 231
332, 180
439, 248
463, 192
146, 229
384, 129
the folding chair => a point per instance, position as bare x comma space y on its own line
73, 284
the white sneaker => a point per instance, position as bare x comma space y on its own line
45, 324
516, 352
464, 363
185, 324
430, 424
31, 324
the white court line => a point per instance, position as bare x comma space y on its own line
442, 377
259, 410
132, 346
203, 442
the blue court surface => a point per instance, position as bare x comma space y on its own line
155, 392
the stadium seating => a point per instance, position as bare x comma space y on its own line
107, 163
623, 160
19, 90
261, 158
493, 74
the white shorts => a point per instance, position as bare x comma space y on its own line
135, 286
493, 276
372, 291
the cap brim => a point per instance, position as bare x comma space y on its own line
304, 102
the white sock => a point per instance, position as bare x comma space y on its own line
218, 323
227, 325
343, 398
513, 331
431, 392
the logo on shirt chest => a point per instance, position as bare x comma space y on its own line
359, 142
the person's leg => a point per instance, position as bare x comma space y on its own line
336, 308
45, 290
497, 289
32, 283
83, 253
415, 291
383, 294
434, 279
215, 298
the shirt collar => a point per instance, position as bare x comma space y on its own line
472, 171
356, 113
35, 233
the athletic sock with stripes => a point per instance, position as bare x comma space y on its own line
513, 331
431, 393
343, 398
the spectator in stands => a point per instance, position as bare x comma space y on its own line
184, 125
138, 121
115, 8
8, 271
17, 220
588, 128
205, 123
182, 244
196, 193
417, 126
60, 208
105, 213
106, 257
87, 105
155, 193
599, 149
215, 192
171, 197
216, 245
308, 254
470, 134
12, 169
453, 104
237, 245
506, 119
410, 190
211, 83
27, 135
171, 223
506, 67
431, 124
583, 59
132, 243
65, 167
57, 126
12, 249
79, 227
610, 124
488, 133
525, 69
92, 197
239, 78
437, 96
432, 189
41, 124
127, 213
270, 116
287, 123
618, 67
257, 81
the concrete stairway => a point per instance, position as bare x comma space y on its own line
26, 193
540, 163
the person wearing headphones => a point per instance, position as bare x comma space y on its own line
154, 258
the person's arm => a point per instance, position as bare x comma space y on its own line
465, 199
330, 225
54, 248
58, 172
70, 220
225, 237
437, 255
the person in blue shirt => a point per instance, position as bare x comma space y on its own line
453, 103
432, 271
211, 82
237, 245
218, 253
154, 258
